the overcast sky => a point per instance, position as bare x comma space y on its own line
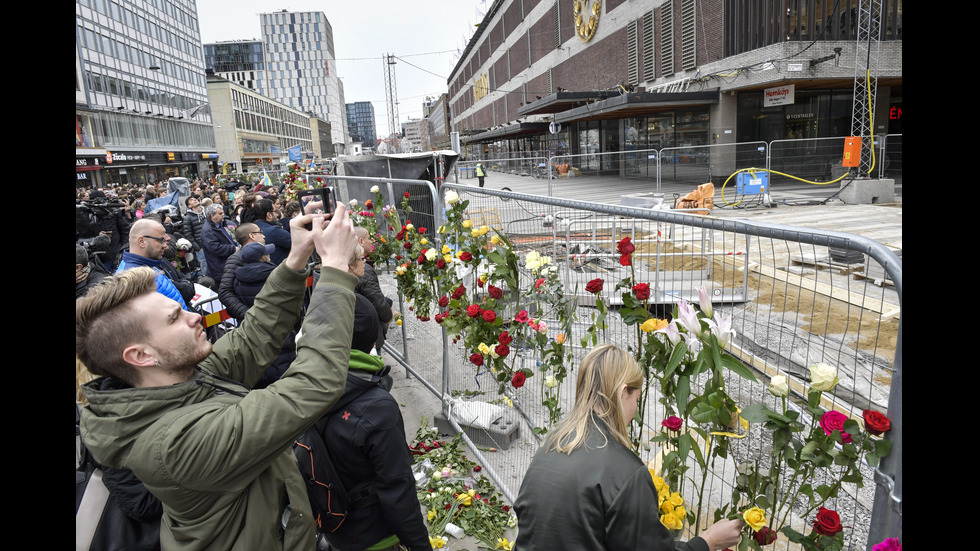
426, 34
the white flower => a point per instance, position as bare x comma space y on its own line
673, 334
431, 254
779, 386
551, 382
375, 189
452, 197
705, 299
688, 318
353, 203
823, 377
721, 328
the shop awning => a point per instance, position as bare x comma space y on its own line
563, 101
637, 104
512, 130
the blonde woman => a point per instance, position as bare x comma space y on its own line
585, 488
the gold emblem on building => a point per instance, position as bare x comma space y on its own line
586, 28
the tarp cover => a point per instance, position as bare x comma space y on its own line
409, 166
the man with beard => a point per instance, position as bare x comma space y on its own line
170, 407
148, 240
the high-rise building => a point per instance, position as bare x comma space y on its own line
141, 102
240, 61
301, 68
361, 124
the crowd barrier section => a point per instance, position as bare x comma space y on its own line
793, 300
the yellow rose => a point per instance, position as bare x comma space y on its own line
680, 513
658, 482
484, 348
424, 241
755, 518
446, 249
467, 223
484, 230
671, 522
495, 240
653, 324
448, 258
399, 322
431, 514
442, 229
676, 500
409, 227
475, 233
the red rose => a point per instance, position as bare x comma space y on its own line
594, 286
495, 292
626, 260
369, 204
476, 359
438, 318
625, 246
765, 536
400, 235
875, 422
673, 423
505, 338
421, 258
827, 522
489, 316
518, 380
407, 195
443, 301
422, 230
521, 317
834, 420
441, 264
473, 310
477, 469
465, 256
503, 350
408, 245
539, 283
459, 292
642, 291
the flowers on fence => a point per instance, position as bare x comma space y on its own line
809, 446
381, 222
455, 493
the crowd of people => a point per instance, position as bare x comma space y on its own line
203, 427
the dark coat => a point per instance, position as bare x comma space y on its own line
193, 222
249, 279
218, 246
226, 289
275, 235
599, 497
371, 445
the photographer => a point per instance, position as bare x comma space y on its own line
98, 215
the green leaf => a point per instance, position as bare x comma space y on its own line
872, 460
676, 356
813, 399
792, 535
738, 367
684, 446
756, 413
883, 447
808, 450
683, 392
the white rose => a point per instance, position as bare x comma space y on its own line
452, 197
551, 382
823, 377
375, 189
779, 386
431, 254
353, 203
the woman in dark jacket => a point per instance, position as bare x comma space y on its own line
585, 488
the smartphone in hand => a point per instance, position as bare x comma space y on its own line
317, 201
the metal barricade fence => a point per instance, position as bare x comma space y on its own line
791, 308
814, 159
890, 157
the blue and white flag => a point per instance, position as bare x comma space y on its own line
295, 154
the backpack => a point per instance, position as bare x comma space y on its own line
329, 497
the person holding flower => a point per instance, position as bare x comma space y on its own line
585, 488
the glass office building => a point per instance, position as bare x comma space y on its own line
141, 103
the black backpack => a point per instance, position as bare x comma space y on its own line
330, 499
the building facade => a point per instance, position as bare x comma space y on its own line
240, 61
301, 68
414, 132
253, 132
362, 125
437, 113
664, 74
141, 102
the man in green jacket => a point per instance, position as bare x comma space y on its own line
179, 414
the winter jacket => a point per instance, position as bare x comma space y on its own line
275, 235
218, 456
599, 497
218, 245
249, 279
193, 222
369, 287
226, 289
165, 286
368, 443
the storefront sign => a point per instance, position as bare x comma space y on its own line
780, 95
119, 157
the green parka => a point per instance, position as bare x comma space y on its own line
218, 456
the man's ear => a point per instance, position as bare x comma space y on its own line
139, 355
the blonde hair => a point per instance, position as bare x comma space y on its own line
357, 256
105, 324
598, 397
